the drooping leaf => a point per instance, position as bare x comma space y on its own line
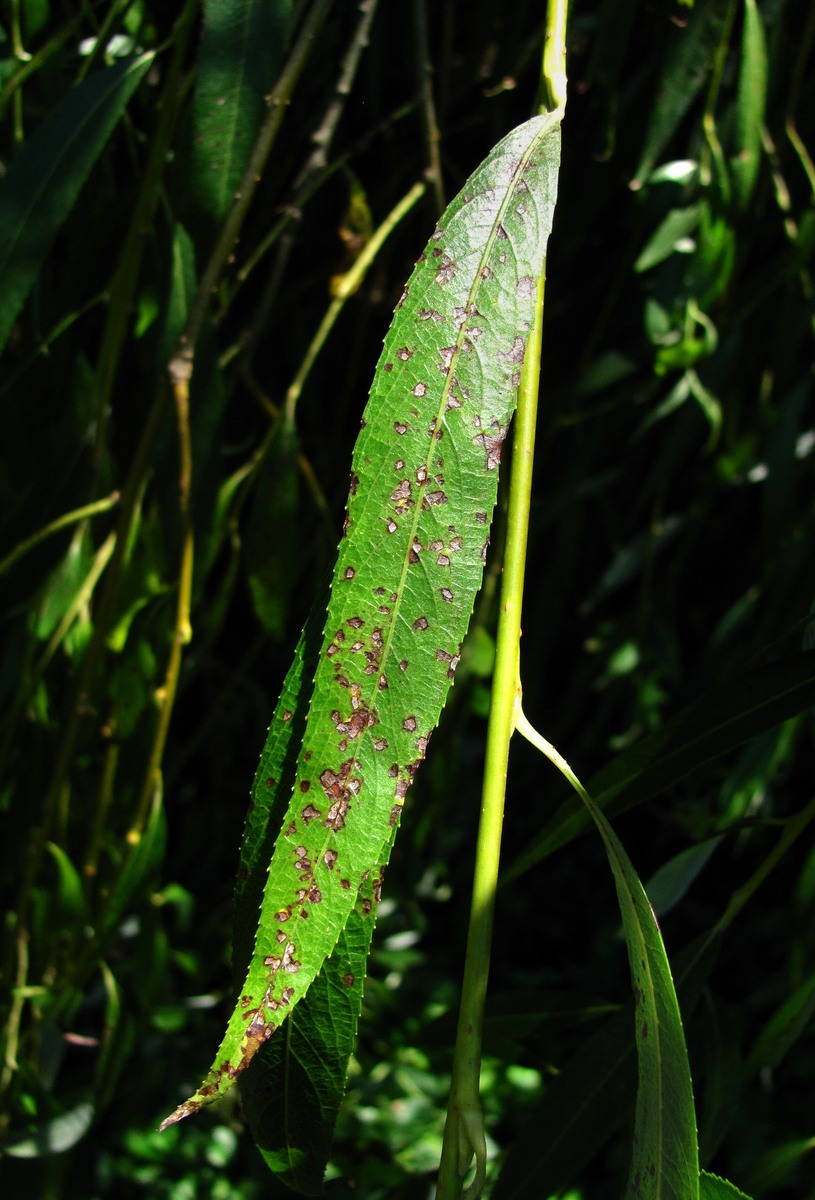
240, 55
591, 1096
43, 182
665, 1157
423, 487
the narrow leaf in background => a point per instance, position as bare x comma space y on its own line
665, 1158
241, 51
44, 180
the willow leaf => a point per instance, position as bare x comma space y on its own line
665, 1163
665, 1159
711, 1187
751, 106
719, 721
423, 488
42, 185
241, 50
292, 1095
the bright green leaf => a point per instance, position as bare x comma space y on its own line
423, 488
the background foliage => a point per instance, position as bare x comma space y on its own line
667, 607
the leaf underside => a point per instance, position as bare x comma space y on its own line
423, 489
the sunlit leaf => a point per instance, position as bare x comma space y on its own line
423, 487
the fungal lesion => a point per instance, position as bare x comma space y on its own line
493, 444
517, 353
352, 726
447, 270
340, 788
402, 496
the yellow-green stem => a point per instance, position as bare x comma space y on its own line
69, 518
464, 1132
347, 286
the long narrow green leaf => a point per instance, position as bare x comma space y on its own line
750, 106
665, 1163
423, 488
665, 1158
689, 57
292, 1095
45, 179
240, 55
592, 1094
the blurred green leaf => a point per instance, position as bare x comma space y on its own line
693, 44
41, 186
54, 1136
672, 237
239, 57
785, 1027
273, 529
750, 106
68, 907
668, 885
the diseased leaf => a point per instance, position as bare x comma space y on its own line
423, 488
292, 1095
239, 59
43, 182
